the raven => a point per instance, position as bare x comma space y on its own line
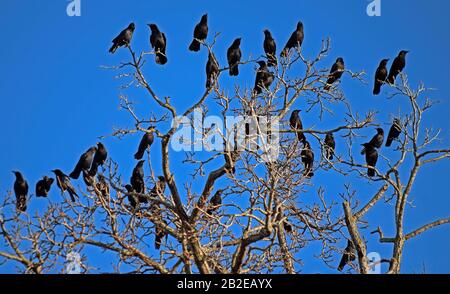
146, 142
21, 191
63, 182
200, 33
159, 43
335, 73
397, 66
296, 124
348, 256
380, 76
84, 163
394, 132
212, 70
296, 40
123, 39
43, 186
330, 145
270, 48
234, 55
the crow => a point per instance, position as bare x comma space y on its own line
234, 55
21, 191
200, 33
64, 184
84, 163
123, 39
160, 232
371, 158
159, 43
335, 73
330, 145
380, 76
264, 78
146, 142
296, 124
296, 40
43, 186
212, 70
131, 198
215, 202
348, 256
397, 66
287, 227
137, 180
377, 140
307, 159
159, 188
394, 132
99, 158
270, 48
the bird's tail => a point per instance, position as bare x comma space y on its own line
377, 88
234, 70
388, 142
195, 46
94, 169
75, 174
371, 172
113, 48
72, 194
138, 155
161, 58
301, 137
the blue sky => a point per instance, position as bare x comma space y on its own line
56, 98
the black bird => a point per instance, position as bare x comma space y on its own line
264, 78
296, 40
99, 158
146, 142
371, 158
84, 163
159, 43
63, 182
215, 202
43, 186
348, 256
330, 145
212, 70
397, 66
335, 73
234, 55
380, 76
123, 39
297, 125
377, 140
21, 191
131, 198
200, 33
160, 232
287, 227
307, 159
137, 180
159, 188
270, 48
394, 132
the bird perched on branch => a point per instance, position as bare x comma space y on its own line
200, 33
307, 159
330, 145
348, 256
84, 163
397, 66
99, 158
131, 198
380, 76
234, 55
21, 191
264, 78
335, 73
146, 142
377, 140
43, 186
297, 125
64, 184
123, 39
270, 48
212, 70
295, 41
137, 180
215, 202
394, 132
371, 158
158, 42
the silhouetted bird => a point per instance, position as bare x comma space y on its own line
394, 132
377, 140
371, 158
335, 73
131, 198
159, 43
21, 191
63, 182
159, 188
123, 39
397, 66
212, 70
296, 40
99, 158
84, 163
200, 33
307, 159
296, 124
160, 232
234, 55
348, 256
270, 48
146, 142
215, 202
137, 180
287, 227
330, 145
43, 186
380, 76
264, 78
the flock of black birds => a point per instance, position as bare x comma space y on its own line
96, 156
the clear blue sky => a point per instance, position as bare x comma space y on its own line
56, 99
